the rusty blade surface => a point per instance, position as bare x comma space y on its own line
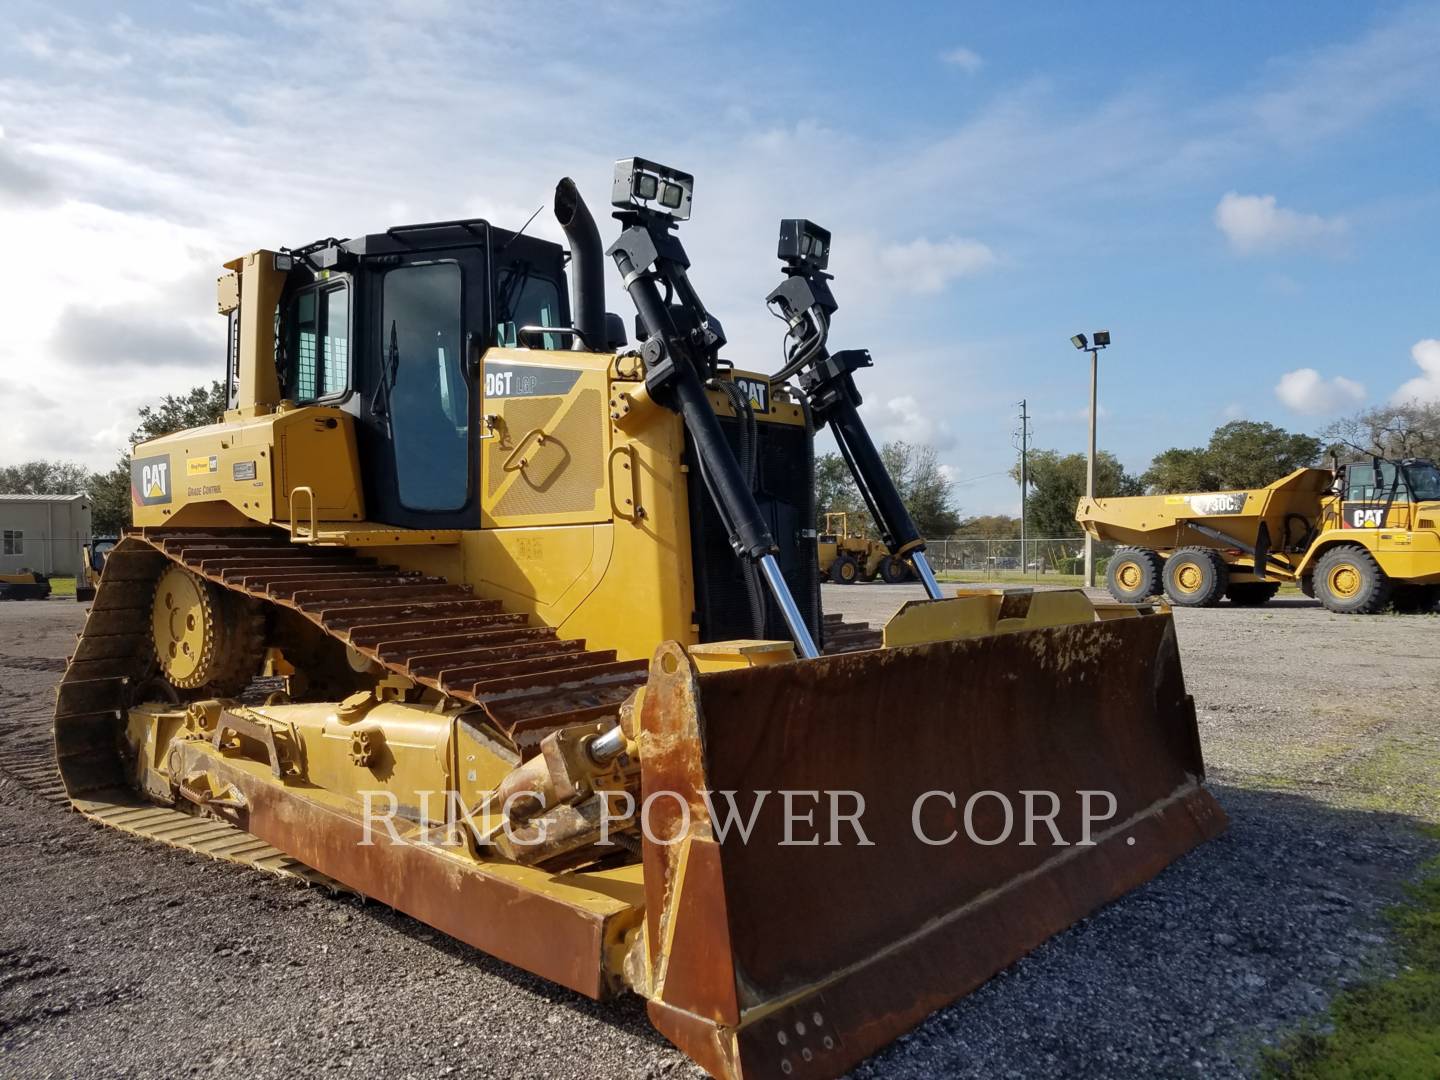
873, 938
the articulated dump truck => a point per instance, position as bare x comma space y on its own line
478, 611
1356, 537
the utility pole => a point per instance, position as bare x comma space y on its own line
1024, 475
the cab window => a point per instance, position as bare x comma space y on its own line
523, 298
1424, 481
1362, 485
318, 345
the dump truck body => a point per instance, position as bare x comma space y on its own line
1375, 525
526, 640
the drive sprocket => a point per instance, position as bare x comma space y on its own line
205, 637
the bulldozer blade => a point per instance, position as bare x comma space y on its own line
801, 949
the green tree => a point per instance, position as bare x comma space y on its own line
923, 486
1178, 469
1393, 431
835, 493
989, 527
1057, 483
110, 491
918, 476
44, 478
1241, 454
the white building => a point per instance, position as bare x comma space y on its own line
44, 532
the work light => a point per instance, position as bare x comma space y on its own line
803, 244
644, 185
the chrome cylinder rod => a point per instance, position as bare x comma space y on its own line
927, 578
607, 746
804, 643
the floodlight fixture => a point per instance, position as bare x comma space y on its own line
803, 244
1079, 341
659, 189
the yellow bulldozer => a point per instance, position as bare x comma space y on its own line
477, 610
1357, 537
847, 557
24, 584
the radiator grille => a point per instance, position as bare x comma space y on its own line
782, 476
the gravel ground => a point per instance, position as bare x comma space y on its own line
120, 959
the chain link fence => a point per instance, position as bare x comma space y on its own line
1001, 560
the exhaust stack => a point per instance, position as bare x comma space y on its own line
587, 267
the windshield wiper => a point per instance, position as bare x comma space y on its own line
389, 372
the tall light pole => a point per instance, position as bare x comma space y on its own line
1102, 340
1024, 448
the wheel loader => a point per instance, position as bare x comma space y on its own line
92, 561
481, 612
1356, 537
847, 557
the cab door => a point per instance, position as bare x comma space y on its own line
418, 437
1374, 498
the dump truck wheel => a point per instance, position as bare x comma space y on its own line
893, 571
844, 571
1349, 581
1416, 599
1133, 575
1252, 593
1196, 577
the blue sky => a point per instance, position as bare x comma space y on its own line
1245, 195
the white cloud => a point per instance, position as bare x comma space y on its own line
1306, 391
1425, 386
929, 266
1256, 223
967, 60
903, 418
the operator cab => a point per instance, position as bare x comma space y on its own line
1378, 493
391, 327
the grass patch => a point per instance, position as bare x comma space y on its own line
62, 586
1383, 1029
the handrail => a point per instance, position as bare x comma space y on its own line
296, 536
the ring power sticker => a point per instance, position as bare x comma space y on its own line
199, 466
150, 480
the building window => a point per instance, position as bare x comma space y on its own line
12, 542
